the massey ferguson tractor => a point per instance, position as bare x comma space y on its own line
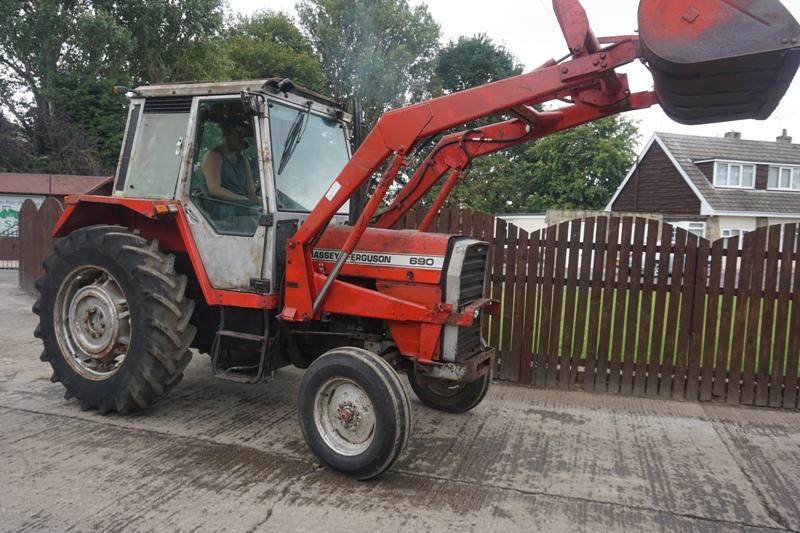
232, 228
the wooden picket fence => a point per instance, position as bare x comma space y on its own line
35, 239
633, 306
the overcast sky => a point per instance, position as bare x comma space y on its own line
528, 28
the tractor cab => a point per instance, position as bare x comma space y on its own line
247, 160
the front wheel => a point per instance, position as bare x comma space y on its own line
449, 396
354, 412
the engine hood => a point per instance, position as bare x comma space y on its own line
400, 255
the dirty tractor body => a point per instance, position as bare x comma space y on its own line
233, 227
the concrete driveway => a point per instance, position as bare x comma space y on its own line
215, 456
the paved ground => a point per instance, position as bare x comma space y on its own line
216, 456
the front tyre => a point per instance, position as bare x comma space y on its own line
354, 412
449, 396
113, 319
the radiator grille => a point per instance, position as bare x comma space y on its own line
472, 276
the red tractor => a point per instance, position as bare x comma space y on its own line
228, 232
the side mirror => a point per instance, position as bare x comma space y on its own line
251, 104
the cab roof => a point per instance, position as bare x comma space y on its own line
203, 88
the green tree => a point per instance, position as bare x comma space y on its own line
171, 40
464, 63
92, 106
268, 44
59, 59
16, 154
379, 51
472, 61
578, 168
42, 41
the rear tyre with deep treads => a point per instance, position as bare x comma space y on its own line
113, 319
449, 396
354, 412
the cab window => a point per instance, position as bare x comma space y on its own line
308, 152
226, 182
155, 159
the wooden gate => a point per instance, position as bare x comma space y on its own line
35, 239
9, 248
634, 306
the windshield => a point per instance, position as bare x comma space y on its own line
316, 154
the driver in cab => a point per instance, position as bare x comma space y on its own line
226, 169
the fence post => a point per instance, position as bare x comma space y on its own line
697, 321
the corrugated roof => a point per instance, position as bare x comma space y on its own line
686, 149
44, 184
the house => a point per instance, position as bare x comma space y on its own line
714, 187
15, 188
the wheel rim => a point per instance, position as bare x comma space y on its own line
344, 416
92, 322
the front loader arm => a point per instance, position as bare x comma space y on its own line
582, 79
698, 52
455, 151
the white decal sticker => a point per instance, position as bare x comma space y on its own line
332, 191
361, 257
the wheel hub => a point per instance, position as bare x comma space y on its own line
344, 416
94, 319
349, 415
93, 325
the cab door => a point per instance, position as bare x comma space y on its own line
228, 218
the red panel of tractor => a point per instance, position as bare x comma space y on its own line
398, 255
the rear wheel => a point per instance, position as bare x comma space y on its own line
448, 396
113, 319
354, 413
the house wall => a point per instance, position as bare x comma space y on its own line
716, 224
762, 173
657, 186
707, 169
745, 223
783, 221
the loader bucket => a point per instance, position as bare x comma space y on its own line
718, 60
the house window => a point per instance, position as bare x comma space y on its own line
784, 178
734, 175
698, 228
728, 233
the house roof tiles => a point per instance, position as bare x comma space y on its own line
49, 184
688, 149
